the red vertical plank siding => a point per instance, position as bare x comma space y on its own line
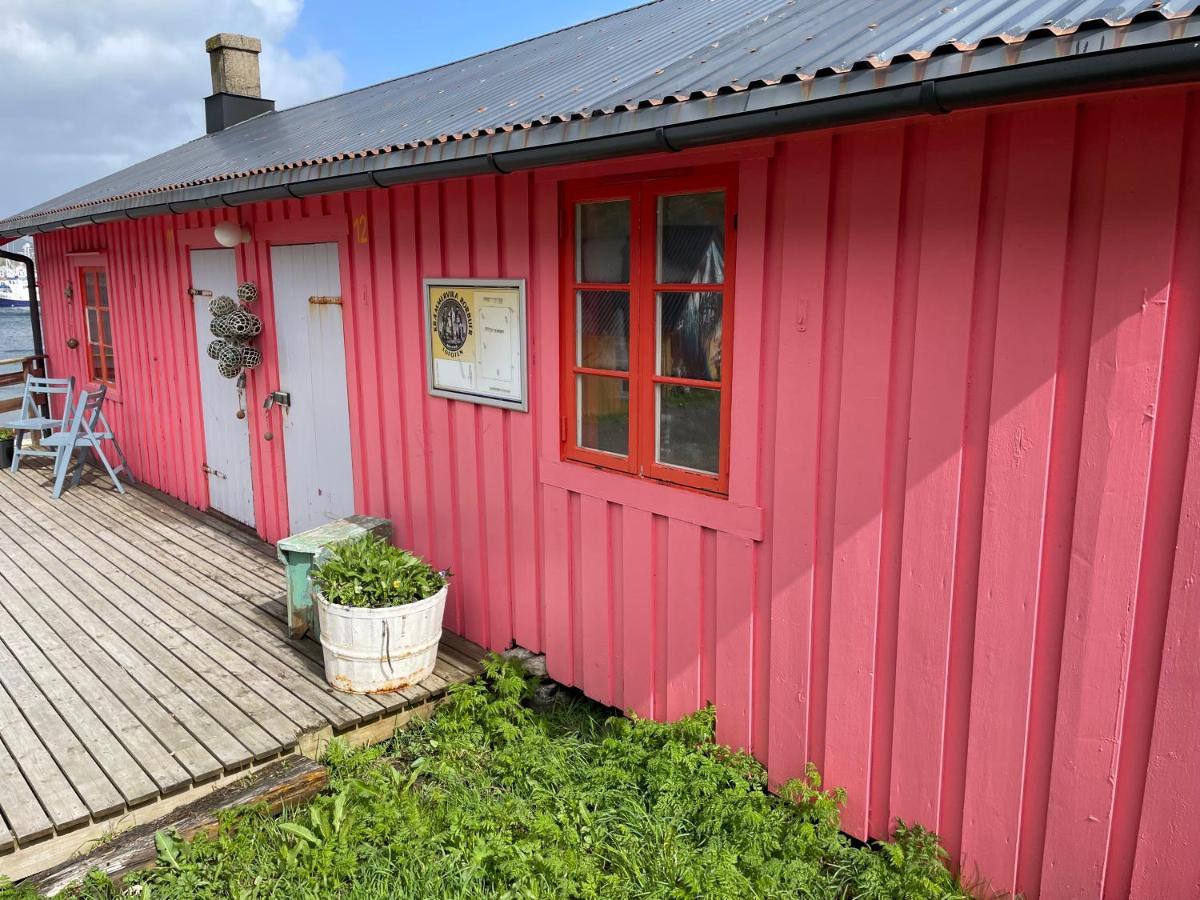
465, 450
1168, 565
899, 400
802, 215
416, 504
443, 505
520, 436
556, 557
684, 619
362, 319
934, 465
494, 464
595, 594
733, 637
1167, 862
1022, 399
1087, 197
1111, 508
873, 169
956, 565
639, 574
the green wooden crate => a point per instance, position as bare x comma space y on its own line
300, 551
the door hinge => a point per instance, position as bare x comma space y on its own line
562, 429
199, 292
209, 470
325, 301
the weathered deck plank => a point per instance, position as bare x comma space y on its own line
168, 653
255, 707
22, 811
74, 728
135, 730
299, 693
251, 620
90, 782
114, 664
30, 756
143, 653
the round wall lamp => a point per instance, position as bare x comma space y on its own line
230, 234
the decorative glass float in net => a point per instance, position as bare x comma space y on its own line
232, 354
247, 291
251, 358
220, 306
241, 324
229, 370
219, 327
215, 348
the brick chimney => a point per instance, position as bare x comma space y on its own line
237, 89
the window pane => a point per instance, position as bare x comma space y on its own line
602, 330
689, 427
96, 357
112, 366
93, 327
89, 288
602, 242
103, 280
602, 413
106, 325
691, 239
689, 330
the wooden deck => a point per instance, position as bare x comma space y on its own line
143, 658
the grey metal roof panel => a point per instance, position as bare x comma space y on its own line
663, 52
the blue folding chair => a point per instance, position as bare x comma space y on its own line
87, 433
30, 418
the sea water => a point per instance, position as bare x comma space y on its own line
16, 339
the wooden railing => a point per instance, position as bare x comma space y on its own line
29, 365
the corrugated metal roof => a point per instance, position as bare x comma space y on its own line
664, 52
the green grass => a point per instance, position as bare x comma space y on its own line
493, 799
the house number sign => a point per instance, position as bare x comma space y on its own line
475, 340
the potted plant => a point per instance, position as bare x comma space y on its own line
7, 439
380, 612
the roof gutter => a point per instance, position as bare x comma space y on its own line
1114, 70
35, 316
760, 116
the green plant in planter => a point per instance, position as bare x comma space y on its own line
372, 574
7, 434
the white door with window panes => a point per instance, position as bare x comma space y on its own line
649, 314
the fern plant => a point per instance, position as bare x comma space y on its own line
372, 574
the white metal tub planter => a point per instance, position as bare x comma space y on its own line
380, 611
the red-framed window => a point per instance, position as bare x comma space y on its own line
648, 326
102, 364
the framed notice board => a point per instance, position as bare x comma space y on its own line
475, 340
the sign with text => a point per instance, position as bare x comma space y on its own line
475, 340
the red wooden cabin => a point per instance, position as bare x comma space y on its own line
900, 468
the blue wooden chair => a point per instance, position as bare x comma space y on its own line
30, 418
87, 433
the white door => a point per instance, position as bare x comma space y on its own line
226, 436
312, 369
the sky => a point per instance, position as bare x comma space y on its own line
87, 88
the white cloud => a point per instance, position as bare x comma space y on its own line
87, 88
